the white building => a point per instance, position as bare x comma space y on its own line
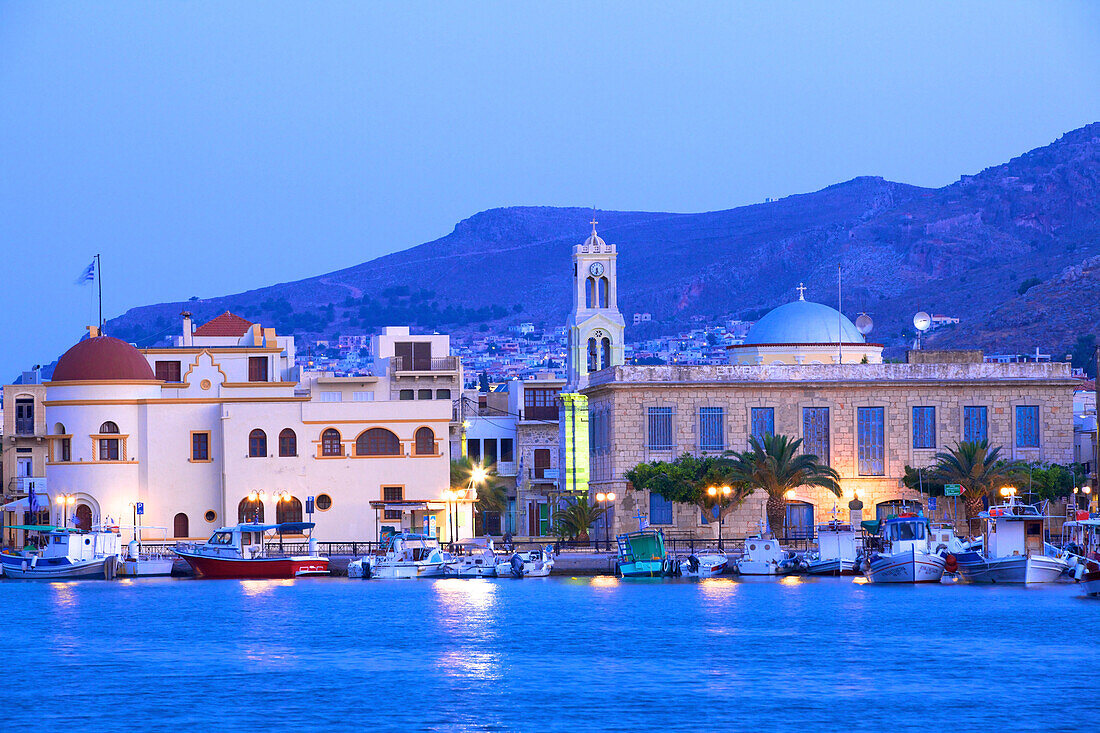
191, 430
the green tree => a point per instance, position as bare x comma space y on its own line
687, 479
1083, 354
576, 518
977, 468
774, 465
1047, 481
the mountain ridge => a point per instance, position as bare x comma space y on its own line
962, 249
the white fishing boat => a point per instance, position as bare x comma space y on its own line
765, 556
837, 550
1013, 548
66, 554
1081, 542
900, 551
407, 556
474, 558
534, 564
145, 561
704, 565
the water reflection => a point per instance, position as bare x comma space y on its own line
603, 582
260, 587
466, 594
63, 596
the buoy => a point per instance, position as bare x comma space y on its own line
950, 563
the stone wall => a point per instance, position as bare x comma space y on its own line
626, 393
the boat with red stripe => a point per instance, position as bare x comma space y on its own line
246, 551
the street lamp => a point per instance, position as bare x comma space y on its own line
1088, 499
64, 502
721, 495
1007, 491
604, 499
256, 498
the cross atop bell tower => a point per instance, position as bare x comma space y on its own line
595, 326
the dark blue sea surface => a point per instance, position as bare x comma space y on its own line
551, 654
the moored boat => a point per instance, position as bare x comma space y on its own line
474, 559
765, 556
704, 565
899, 551
241, 552
837, 549
1013, 548
407, 556
67, 553
642, 554
533, 564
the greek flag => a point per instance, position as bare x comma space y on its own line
88, 275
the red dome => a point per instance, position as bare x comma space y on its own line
102, 358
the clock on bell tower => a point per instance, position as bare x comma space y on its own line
595, 326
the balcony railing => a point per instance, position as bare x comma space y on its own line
435, 364
24, 426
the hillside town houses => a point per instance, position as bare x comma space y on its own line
229, 421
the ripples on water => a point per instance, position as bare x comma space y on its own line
549, 654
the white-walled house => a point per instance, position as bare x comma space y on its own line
190, 431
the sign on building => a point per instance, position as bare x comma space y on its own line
573, 443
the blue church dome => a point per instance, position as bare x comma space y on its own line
803, 322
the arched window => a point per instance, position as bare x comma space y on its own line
603, 292
84, 517
288, 443
589, 292
179, 526
250, 511
257, 444
288, 510
330, 443
377, 442
59, 429
592, 355
605, 353
109, 447
425, 442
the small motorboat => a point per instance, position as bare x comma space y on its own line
837, 549
1081, 543
243, 552
704, 565
532, 564
1013, 548
66, 553
642, 554
145, 562
474, 559
407, 555
765, 556
899, 550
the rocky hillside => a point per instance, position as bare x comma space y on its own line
1010, 250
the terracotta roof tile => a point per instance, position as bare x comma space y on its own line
226, 324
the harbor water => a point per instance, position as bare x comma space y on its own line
550, 654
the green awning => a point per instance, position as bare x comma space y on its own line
870, 525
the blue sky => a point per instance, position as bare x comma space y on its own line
206, 148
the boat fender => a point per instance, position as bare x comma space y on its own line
1079, 572
34, 562
517, 566
950, 563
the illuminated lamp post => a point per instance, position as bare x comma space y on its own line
65, 502
256, 498
721, 495
603, 500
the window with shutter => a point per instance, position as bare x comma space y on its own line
870, 446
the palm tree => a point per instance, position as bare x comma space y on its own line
575, 519
977, 468
775, 465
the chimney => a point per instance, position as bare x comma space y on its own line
188, 329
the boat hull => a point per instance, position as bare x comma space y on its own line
763, 567
834, 566
643, 569
20, 568
910, 566
406, 570
476, 571
146, 567
537, 569
708, 567
1025, 569
1091, 584
255, 568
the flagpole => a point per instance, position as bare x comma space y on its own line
99, 282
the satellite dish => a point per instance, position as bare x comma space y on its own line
922, 321
864, 324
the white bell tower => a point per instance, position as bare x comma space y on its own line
595, 326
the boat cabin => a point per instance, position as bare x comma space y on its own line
413, 547
899, 533
75, 544
1014, 528
247, 540
837, 541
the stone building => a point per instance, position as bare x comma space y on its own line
868, 421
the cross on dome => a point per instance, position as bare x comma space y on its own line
801, 291
593, 223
